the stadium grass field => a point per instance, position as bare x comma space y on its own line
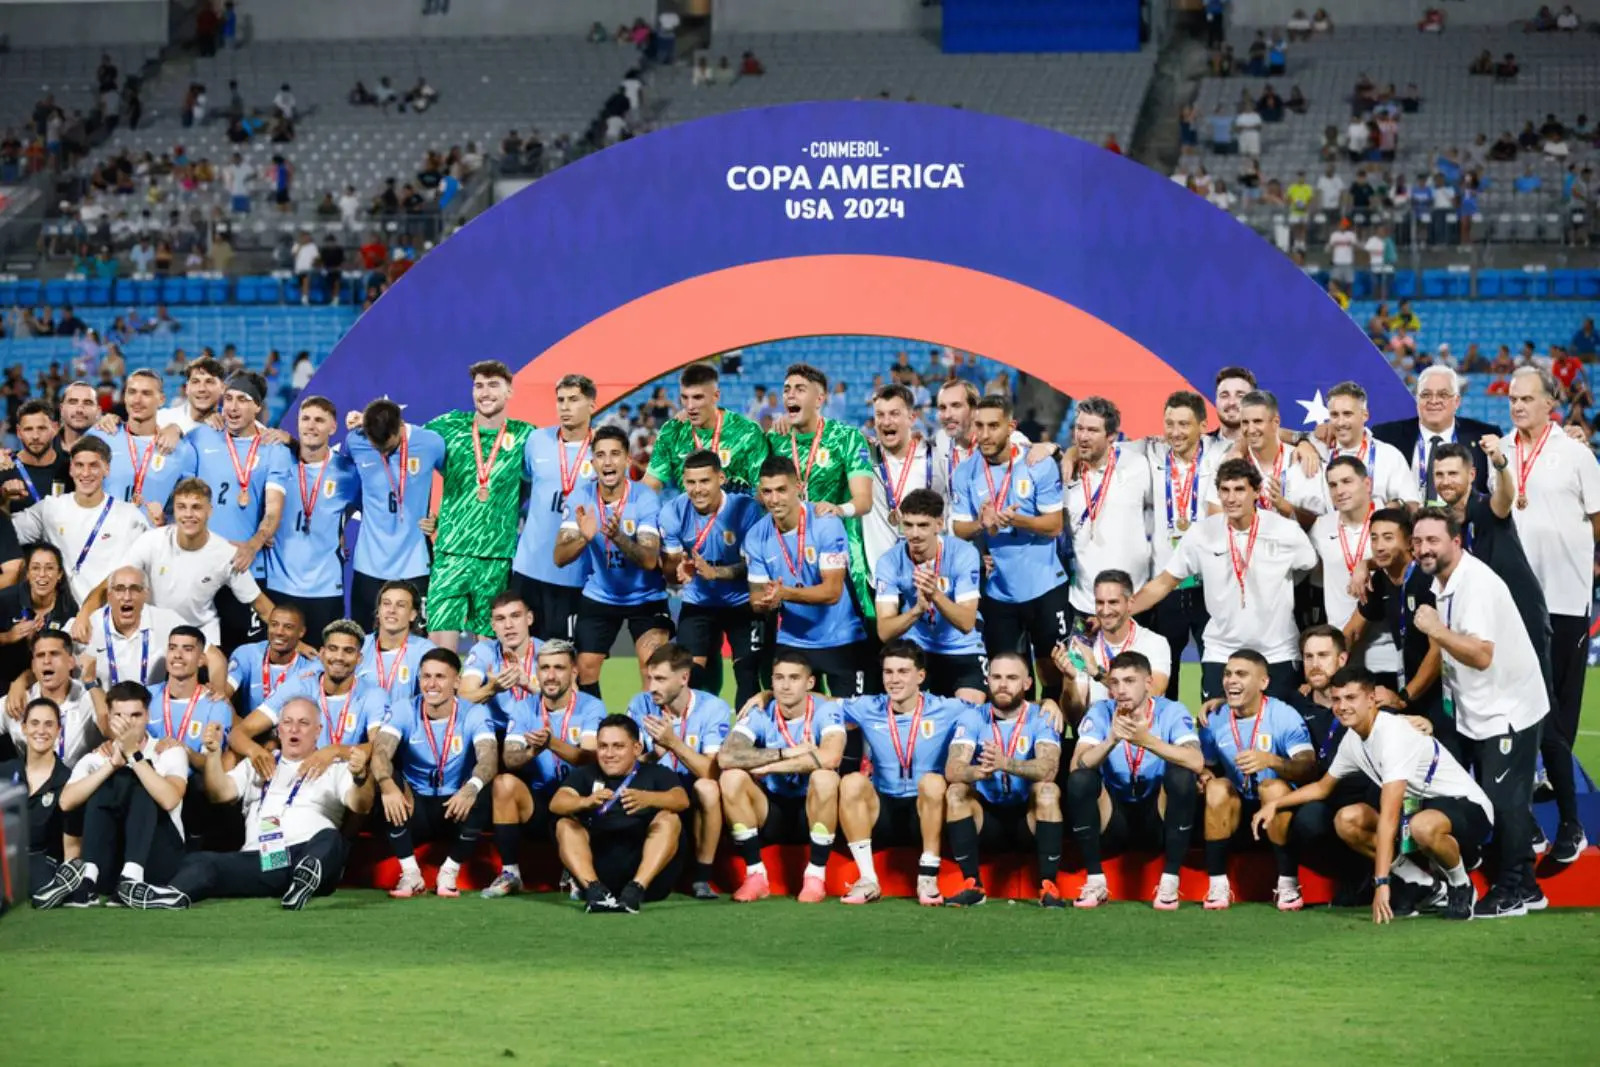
360, 979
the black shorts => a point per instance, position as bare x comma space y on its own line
318, 611
364, 598
1005, 827
1468, 824
947, 673
555, 607
239, 624
786, 823
616, 860
599, 624
898, 823
838, 670
1135, 825
540, 826
701, 630
1036, 625
428, 821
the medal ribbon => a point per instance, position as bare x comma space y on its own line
1134, 754
267, 682
517, 691
387, 684
335, 725
1183, 492
1525, 466
1241, 563
485, 471
805, 723
439, 755
398, 488
566, 716
1092, 505
308, 504
898, 493
1009, 748
811, 456
569, 479
905, 755
188, 712
716, 435
242, 472
141, 467
1265, 500
998, 500
1353, 560
799, 558
1102, 648
1238, 742
705, 531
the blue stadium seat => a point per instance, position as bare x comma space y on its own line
77, 290
147, 292
1489, 284
8, 292
98, 293
216, 291
124, 291
27, 294
55, 292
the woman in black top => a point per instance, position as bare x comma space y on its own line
41, 601
41, 771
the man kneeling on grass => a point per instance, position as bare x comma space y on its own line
617, 822
293, 848
1430, 808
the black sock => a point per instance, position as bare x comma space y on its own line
963, 846
507, 841
1047, 836
1178, 784
1288, 864
592, 688
465, 844
1217, 858
702, 871
749, 849
400, 842
819, 853
1083, 808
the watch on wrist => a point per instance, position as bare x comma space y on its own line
1382, 879
137, 757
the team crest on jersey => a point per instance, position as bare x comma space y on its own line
628, 526
586, 469
455, 746
413, 465
726, 455
811, 553
1505, 746
349, 721
728, 538
1024, 487
1022, 746
573, 735
693, 741
822, 456
1264, 742
927, 728
944, 583
329, 488
404, 673
47, 800
194, 730
158, 462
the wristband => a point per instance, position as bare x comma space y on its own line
1382, 879
1405, 698
476, 783
848, 510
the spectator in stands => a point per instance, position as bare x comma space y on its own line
282, 177
1474, 361
283, 103
1299, 25
1411, 99
420, 97
598, 34
1216, 16
1270, 106
1220, 197
1222, 142
1556, 148
1432, 21
1585, 342
1342, 253
307, 260
1277, 55
142, 256
1256, 56
1297, 100
1378, 326
361, 96
1405, 318
1568, 20
1484, 64
1247, 129
724, 71
1330, 190
1543, 21
750, 66
1505, 149
1506, 69
1527, 183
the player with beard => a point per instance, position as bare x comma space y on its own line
615, 525
1108, 495
833, 466
480, 506
902, 463
1286, 488
556, 461
39, 469
1002, 789
1232, 385
702, 423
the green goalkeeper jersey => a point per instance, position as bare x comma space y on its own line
739, 443
469, 526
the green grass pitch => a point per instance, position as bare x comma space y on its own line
360, 979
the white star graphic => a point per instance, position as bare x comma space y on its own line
1316, 410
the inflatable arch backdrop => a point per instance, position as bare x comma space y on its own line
1041, 251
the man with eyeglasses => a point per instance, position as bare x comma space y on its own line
1437, 422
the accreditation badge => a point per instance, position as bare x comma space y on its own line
274, 853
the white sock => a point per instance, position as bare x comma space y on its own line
1099, 880
91, 873
1288, 881
813, 871
1219, 881
742, 833
861, 852
1405, 869
929, 859
133, 871
752, 869
409, 866
513, 869
448, 869
1457, 875
1168, 886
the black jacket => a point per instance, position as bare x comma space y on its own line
1403, 434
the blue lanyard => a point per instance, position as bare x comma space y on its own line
1194, 486
1322, 749
1405, 581
1433, 765
83, 553
1091, 505
27, 479
617, 793
1371, 458
111, 653
294, 791
1422, 455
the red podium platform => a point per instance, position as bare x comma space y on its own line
1130, 877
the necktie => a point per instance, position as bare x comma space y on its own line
1433, 442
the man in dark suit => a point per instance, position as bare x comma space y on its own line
1438, 400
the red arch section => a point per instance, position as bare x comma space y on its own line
882, 296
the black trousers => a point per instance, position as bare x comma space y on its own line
428, 822
123, 824
1180, 618
1569, 660
239, 874
318, 611
364, 598
1505, 765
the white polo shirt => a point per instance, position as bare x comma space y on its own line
1173, 487
1265, 620
1145, 641
176, 415
187, 581
878, 537
1396, 751
68, 525
1563, 491
173, 763
318, 804
79, 731
1392, 476
136, 658
1307, 494
1510, 694
1118, 537
1337, 569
